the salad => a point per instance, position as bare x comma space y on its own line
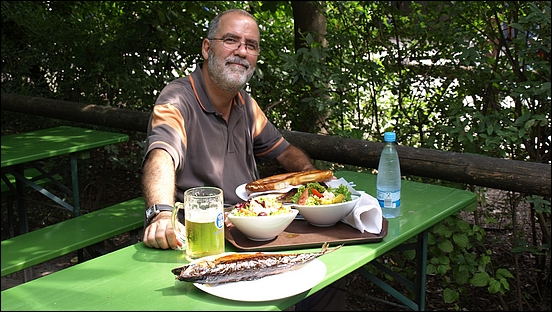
314, 193
264, 205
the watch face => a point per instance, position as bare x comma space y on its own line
150, 212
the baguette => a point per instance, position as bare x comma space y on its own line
281, 181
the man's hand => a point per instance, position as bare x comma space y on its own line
160, 234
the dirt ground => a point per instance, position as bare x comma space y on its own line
103, 185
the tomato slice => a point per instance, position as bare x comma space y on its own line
303, 198
316, 193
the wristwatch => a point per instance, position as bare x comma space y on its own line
154, 210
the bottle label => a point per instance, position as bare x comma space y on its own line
388, 199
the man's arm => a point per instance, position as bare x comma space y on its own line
158, 184
294, 159
158, 181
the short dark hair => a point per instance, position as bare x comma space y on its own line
213, 27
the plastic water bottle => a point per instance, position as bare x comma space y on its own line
389, 178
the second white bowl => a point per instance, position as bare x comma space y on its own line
327, 215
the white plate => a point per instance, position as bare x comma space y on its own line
265, 289
242, 192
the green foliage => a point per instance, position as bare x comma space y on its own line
455, 246
115, 53
457, 253
462, 76
540, 204
431, 73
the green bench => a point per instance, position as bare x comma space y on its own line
35, 247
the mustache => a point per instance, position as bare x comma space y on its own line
238, 60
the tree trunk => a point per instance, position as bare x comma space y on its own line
511, 175
309, 18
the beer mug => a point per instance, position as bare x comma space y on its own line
203, 220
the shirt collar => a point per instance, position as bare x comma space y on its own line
198, 86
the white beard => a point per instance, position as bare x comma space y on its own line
229, 78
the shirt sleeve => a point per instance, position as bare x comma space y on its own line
166, 126
268, 142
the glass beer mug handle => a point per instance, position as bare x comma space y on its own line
181, 236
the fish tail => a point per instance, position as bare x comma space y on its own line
326, 248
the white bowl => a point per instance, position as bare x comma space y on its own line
262, 228
327, 215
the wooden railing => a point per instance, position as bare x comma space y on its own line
505, 174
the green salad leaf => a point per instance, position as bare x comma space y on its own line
341, 189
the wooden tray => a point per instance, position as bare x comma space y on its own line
301, 234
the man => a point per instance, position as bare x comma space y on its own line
206, 130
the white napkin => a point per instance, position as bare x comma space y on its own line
366, 215
337, 182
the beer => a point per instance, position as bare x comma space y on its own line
204, 222
204, 238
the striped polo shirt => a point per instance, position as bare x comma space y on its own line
205, 148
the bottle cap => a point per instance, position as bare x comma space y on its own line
389, 137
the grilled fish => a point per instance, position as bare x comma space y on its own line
245, 267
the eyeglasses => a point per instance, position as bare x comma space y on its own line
233, 44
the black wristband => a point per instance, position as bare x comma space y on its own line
154, 210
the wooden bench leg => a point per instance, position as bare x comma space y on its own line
80, 255
27, 274
134, 235
10, 215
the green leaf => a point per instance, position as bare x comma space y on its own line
461, 275
446, 246
461, 240
494, 286
503, 273
450, 295
480, 279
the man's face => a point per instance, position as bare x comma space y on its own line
226, 74
232, 69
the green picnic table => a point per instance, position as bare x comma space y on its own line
29, 149
139, 278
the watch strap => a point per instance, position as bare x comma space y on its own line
154, 210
